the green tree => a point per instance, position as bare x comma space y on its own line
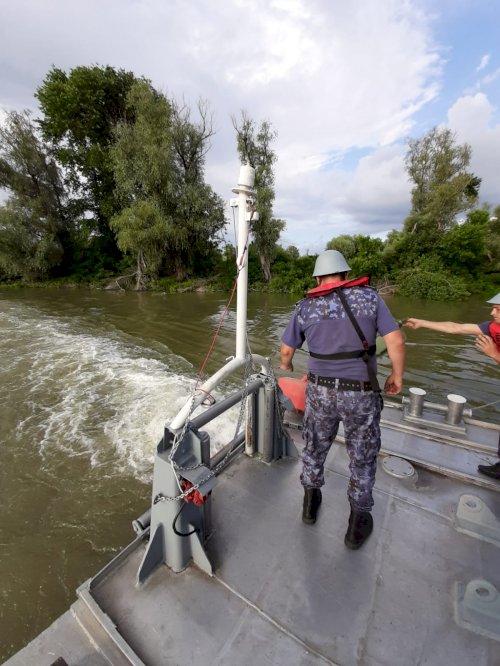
368, 259
34, 233
364, 254
344, 244
462, 249
292, 252
429, 279
402, 248
492, 242
171, 217
80, 111
442, 185
254, 148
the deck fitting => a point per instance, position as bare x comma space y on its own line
398, 467
477, 608
476, 519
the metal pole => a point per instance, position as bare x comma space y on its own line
244, 191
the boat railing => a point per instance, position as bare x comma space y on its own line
184, 475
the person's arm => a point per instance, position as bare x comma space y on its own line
286, 356
395, 343
488, 346
443, 326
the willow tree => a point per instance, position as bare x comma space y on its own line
79, 112
34, 232
170, 213
254, 148
443, 186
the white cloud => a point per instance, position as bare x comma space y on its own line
369, 201
471, 117
484, 61
329, 76
380, 186
489, 78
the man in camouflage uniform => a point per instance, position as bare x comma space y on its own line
340, 320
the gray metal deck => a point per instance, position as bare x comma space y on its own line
288, 593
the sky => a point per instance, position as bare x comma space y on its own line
344, 85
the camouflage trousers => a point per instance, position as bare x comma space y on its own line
360, 413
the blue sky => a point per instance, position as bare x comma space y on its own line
344, 85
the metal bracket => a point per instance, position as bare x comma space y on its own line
477, 608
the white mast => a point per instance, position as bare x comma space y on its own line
246, 195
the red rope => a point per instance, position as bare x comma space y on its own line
209, 353
198, 377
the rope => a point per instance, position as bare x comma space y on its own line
487, 404
209, 353
226, 309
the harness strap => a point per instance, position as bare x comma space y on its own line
359, 353
364, 353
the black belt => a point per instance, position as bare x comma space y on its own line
340, 384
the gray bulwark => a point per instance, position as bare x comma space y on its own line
64, 638
288, 593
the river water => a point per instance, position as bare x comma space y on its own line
88, 380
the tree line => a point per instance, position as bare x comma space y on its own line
109, 182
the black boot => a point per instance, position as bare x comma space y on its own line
359, 529
490, 470
312, 500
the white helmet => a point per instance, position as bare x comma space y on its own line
495, 300
330, 262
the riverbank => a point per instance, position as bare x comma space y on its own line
224, 284
162, 286
118, 283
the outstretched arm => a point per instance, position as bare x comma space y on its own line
286, 356
395, 343
443, 326
488, 346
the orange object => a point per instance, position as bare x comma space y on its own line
295, 389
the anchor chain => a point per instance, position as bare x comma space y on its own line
179, 437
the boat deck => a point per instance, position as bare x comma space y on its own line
288, 593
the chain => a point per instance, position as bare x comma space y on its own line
180, 435
163, 498
248, 369
175, 467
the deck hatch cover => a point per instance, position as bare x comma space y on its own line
398, 467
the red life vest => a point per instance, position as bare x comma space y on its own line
330, 287
494, 331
